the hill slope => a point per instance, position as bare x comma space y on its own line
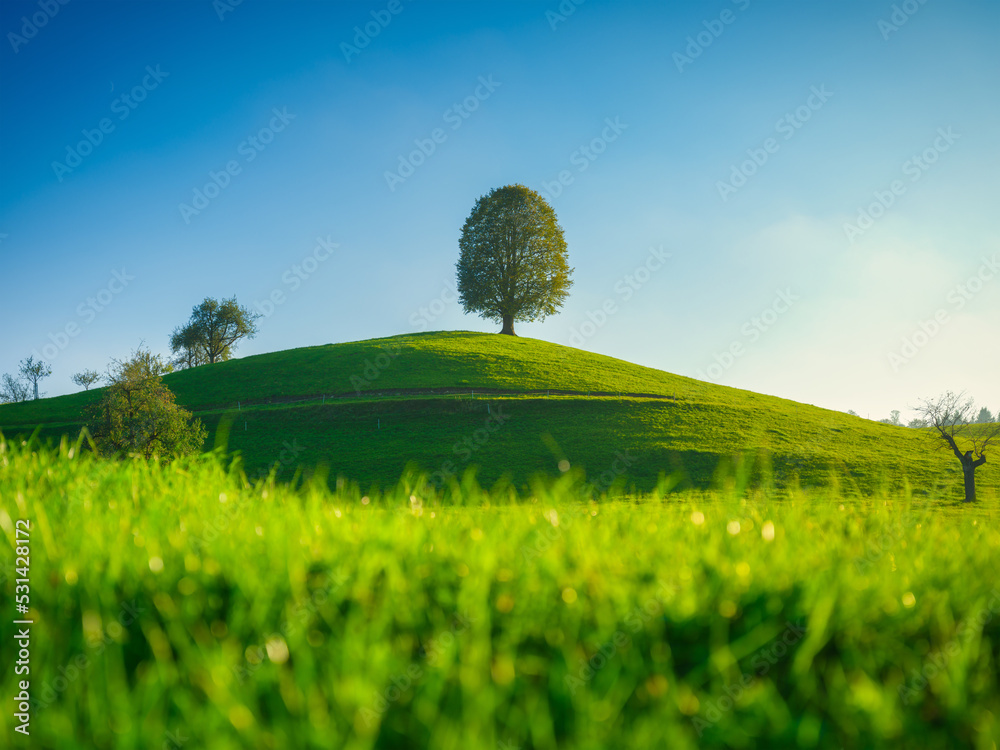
366, 409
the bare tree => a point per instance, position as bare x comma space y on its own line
13, 389
952, 418
86, 378
33, 371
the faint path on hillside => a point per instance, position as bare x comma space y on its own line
403, 392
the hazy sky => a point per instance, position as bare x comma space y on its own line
811, 185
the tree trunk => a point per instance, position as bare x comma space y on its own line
508, 325
36, 390
970, 481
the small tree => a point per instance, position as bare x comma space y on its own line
187, 346
13, 389
985, 416
33, 371
893, 418
86, 378
213, 331
513, 263
950, 416
137, 414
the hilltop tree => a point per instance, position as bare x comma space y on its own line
984, 416
33, 371
513, 263
212, 332
186, 344
86, 378
137, 414
950, 416
13, 389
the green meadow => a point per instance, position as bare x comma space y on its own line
514, 408
181, 604
459, 540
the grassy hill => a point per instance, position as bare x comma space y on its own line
517, 407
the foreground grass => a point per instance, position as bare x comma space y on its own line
177, 606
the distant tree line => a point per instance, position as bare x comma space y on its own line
210, 335
24, 384
136, 414
971, 416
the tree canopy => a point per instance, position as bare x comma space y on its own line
137, 414
513, 263
212, 332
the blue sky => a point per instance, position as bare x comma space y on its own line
708, 162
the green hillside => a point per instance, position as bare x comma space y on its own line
516, 407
